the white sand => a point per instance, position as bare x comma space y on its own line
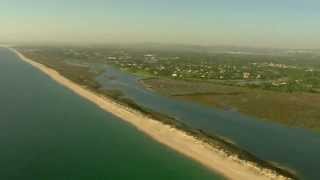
214, 159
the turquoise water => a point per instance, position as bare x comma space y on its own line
49, 133
294, 148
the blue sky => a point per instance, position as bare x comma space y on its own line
273, 23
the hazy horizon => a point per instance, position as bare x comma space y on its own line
285, 24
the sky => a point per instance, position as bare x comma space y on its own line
254, 23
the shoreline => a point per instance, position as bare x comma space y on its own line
215, 159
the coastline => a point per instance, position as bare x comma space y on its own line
215, 159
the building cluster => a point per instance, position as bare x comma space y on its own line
246, 72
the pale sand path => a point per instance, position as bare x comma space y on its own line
216, 160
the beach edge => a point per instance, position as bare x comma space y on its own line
178, 140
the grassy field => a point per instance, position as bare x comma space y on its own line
292, 109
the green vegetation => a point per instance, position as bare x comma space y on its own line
79, 74
282, 70
297, 109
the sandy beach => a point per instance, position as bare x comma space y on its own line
214, 159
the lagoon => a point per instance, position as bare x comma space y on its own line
293, 148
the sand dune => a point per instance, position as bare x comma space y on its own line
214, 159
